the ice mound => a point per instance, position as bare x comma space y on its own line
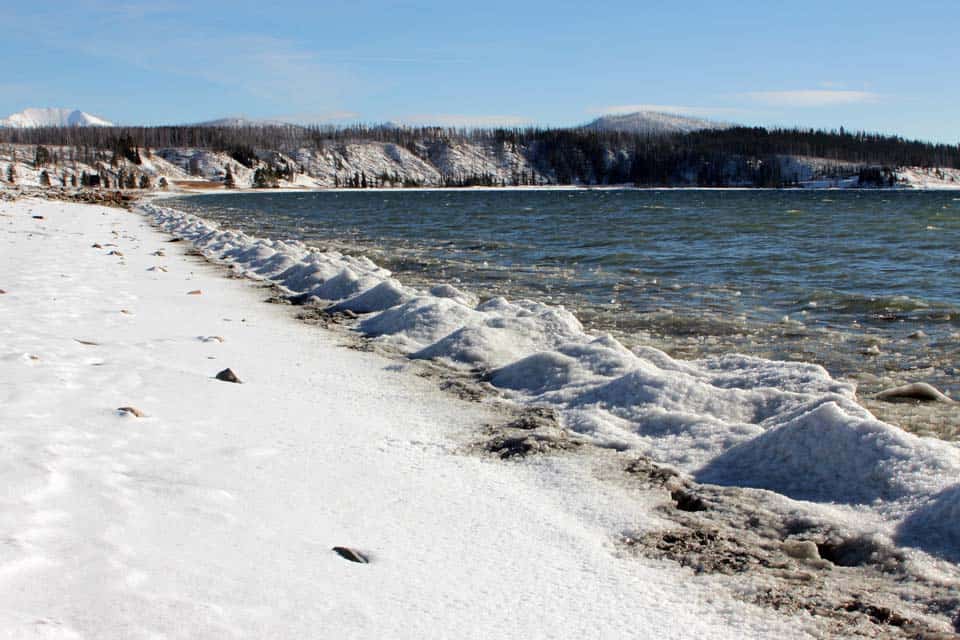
421, 321
828, 455
449, 291
746, 372
935, 527
734, 420
385, 295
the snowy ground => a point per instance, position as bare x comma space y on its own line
214, 514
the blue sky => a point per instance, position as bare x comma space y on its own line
879, 66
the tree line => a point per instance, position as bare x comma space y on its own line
709, 157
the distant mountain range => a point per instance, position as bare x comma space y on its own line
639, 122
653, 122
53, 117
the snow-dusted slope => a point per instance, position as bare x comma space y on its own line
928, 178
53, 117
653, 122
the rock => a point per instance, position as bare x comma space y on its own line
801, 549
124, 311
131, 411
872, 350
534, 418
212, 338
116, 252
301, 299
97, 245
195, 292
227, 375
917, 335
158, 252
920, 391
89, 343
37, 217
2, 292
687, 501
351, 554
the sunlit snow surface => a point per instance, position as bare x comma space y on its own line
783, 426
213, 515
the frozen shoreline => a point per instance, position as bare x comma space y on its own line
737, 421
221, 504
734, 420
225, 506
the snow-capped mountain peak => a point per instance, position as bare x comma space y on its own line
242, 121
53, 117
653, 122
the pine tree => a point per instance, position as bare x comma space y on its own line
11, 174
228, 180
41, 156
265, 177
44, 178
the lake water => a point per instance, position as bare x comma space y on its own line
866, 283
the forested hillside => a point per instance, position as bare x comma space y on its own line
386, 156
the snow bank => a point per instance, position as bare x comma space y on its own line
823, 455
783, 426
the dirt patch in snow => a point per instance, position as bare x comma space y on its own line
778, 556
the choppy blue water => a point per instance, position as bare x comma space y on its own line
814, 275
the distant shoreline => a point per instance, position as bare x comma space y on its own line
224, 191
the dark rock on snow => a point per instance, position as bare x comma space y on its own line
920, 391
227, 375
351, 554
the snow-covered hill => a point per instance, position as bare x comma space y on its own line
653, 122
53, 117
241, 121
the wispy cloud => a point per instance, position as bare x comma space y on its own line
461, 120
666, 108
812, 97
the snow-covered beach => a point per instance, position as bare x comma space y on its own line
214, 514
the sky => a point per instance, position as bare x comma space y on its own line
892, 67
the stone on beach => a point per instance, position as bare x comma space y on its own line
801, 549
351, 554
227, 375
920, 391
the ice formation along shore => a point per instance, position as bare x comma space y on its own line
735, 420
